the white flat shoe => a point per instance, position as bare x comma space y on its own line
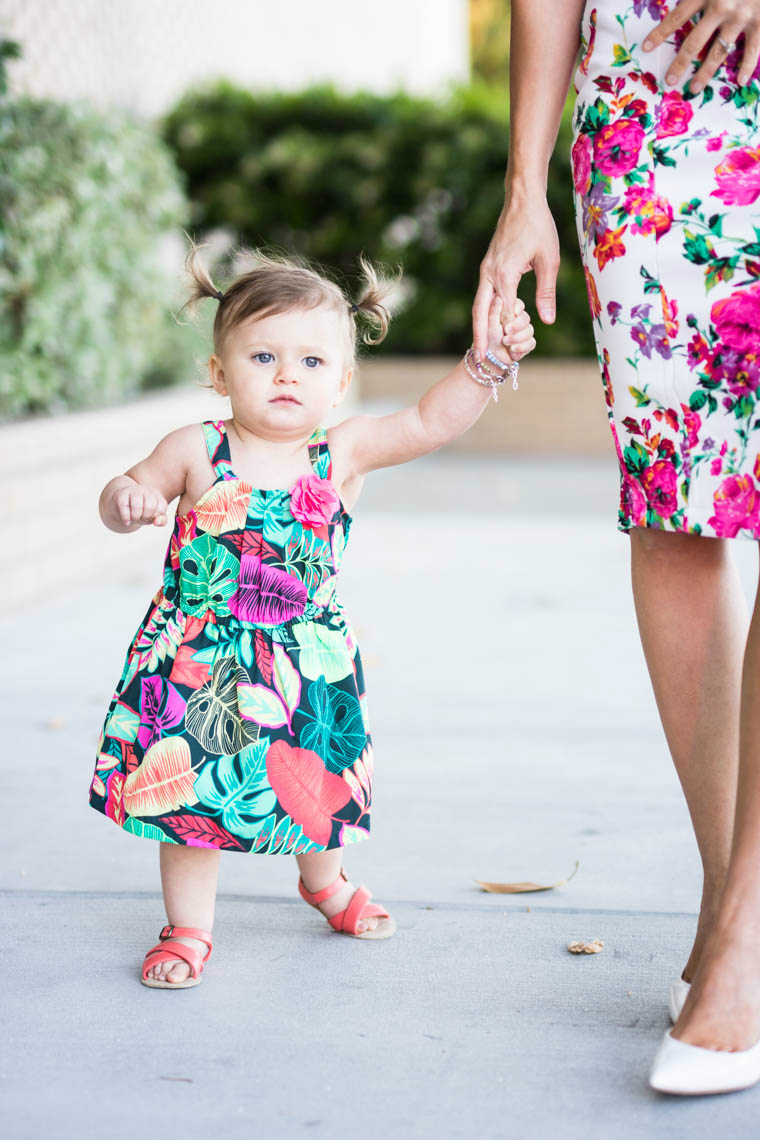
689, 1070
679, 992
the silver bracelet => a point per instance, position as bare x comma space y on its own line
486, 376
510, 367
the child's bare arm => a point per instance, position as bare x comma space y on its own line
444, 412
141, 496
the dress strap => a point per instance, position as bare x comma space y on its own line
218, 447
319, 453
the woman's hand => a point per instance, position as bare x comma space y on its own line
727, 18
525, 239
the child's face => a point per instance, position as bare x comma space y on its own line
283, 373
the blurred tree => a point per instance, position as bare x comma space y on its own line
409, 180
489, 42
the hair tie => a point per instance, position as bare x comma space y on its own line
219, 295
353, 307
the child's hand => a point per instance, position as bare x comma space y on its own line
517, 334
140, 505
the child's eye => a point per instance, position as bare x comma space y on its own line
263, 357
312, 361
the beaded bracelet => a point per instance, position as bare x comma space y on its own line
486, 376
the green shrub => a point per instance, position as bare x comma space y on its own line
88, 201
405, 179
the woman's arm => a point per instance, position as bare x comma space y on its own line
543, 53
445, 411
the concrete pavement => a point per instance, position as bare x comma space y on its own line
515, 732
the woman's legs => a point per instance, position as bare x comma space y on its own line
692, 619
723, 1008
188, 879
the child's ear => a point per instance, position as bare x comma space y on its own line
345, 384
216, 375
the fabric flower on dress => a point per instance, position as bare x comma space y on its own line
617, 146
738, 177
692, 422
737, 319
313, 501
659, 482
596, 205
655, 8
593, 293
652, 212
736, 507
675, 115
581, 158
610, 246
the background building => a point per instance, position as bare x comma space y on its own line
143, 56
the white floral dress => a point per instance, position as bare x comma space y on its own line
667, 189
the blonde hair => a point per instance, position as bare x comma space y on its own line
279, 283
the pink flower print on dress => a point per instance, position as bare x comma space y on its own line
736, 507
738, 177
581, 157
617, 146
659, 482
675, 115
652, 212
635, 501
692, 422
313, 501
737, 319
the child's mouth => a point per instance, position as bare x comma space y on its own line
285, 400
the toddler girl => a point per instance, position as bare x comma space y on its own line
239, 722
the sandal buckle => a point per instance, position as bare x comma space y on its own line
167, 932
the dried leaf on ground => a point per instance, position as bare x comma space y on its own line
592, 947
523, 888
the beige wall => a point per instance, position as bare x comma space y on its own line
142, 54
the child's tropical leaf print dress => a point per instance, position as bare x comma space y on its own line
240, 719
667, 189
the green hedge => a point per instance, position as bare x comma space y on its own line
405, 179
87, 201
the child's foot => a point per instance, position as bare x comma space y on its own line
168, 966
347, 908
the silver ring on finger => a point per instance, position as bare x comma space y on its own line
727, 45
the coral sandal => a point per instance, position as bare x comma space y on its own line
347, 921
178, 952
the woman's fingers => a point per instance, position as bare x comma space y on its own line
547, 267
751, 53
720, 18
480, 310
670, 23
716, 55
691, 48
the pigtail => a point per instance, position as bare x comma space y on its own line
201, 285
377, 288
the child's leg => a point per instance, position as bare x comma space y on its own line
321, 868
188, 880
